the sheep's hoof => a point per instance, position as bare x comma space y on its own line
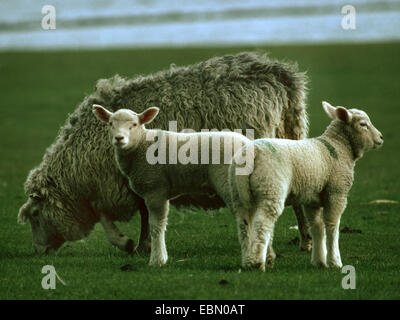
143, 249
129, 246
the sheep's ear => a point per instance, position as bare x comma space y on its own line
148, 115
35, 196
101, 113
24, 212
329, 109
343, 114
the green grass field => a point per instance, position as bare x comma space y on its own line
39, 89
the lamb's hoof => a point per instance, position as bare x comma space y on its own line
157, 263
269, 261
335, 264
319, 264
258, 266
129, 246
306, 245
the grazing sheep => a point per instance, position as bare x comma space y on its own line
316, 173
185, 163
77, 184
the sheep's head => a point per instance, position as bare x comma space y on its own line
46, 236
126, 126
357, 126
54, 218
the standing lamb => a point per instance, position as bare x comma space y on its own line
78, 184
316, 173
185, 163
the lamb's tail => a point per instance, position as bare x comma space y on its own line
242, 187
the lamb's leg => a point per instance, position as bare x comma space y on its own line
271, 255
158, 216
144, 245
317, 230
243, 224
260, 235
114, 235
305, 237
332, 213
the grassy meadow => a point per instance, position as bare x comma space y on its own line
38, 91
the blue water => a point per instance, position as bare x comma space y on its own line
123, 23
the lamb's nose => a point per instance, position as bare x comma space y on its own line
119, 138
382, 137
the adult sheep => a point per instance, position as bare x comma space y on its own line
78, 183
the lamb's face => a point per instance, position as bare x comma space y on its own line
126, 126
364, 131
358, 127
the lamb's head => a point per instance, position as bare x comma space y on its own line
126, 126
357, 126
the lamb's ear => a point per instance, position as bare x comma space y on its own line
343, 114
148, 115
101, 113
329, 109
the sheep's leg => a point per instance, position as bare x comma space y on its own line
260, 235
144, 245
332, 214
158, 216
317, 230
305, 237
115, 236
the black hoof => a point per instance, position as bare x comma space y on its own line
129, 246
143, 250
128, 267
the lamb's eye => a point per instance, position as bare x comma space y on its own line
133, 125
364, 124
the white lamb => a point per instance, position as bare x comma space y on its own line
159, 180
317, 173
